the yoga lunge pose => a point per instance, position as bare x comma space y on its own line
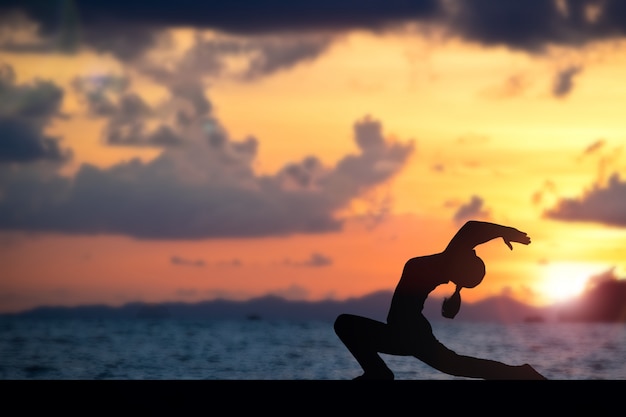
408, 333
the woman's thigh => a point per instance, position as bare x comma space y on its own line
376, 335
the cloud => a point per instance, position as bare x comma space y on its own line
204, 189
269, 55
532, 25
235, 262
601, 204
594, 147
316, 260
127, 29
472, 210
99, 91
525, 25
252, 17
547, 189
60, 26
564, 81
177, 260
438, 167
513, 86
131, 121
128, 114
25, 112
257, 39
212, 56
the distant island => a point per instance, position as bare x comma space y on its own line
604, 301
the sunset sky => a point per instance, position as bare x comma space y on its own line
185, 151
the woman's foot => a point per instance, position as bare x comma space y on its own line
375, 376
528, 372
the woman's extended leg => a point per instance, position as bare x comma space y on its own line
448, 361
364, 338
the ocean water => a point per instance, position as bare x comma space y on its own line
149, 349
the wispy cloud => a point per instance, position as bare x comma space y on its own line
564, 81
178, 260
315, 260
474, 209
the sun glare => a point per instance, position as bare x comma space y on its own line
566, 280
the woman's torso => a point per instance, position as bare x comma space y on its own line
420, 277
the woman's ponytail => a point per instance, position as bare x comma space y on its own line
452, 305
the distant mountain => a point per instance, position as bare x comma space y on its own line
267, 307
375, 305
604, 300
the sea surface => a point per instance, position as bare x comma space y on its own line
168, 349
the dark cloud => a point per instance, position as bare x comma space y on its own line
472, 210
127, 28
124, 42
21, 141
25, 112
526, 24
236, 16
564, 81
206, 188
271, 36
60, 26
533, 24
177, 260
601, 204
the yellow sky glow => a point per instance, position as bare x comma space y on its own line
483, 121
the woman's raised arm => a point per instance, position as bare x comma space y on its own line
474, 233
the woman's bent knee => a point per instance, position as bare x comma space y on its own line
342, 323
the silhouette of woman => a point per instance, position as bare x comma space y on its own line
408, 333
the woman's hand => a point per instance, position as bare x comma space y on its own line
514, 235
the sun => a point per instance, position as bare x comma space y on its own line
562, 281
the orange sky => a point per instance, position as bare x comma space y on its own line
311, 164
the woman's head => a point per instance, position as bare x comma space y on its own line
466, 271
